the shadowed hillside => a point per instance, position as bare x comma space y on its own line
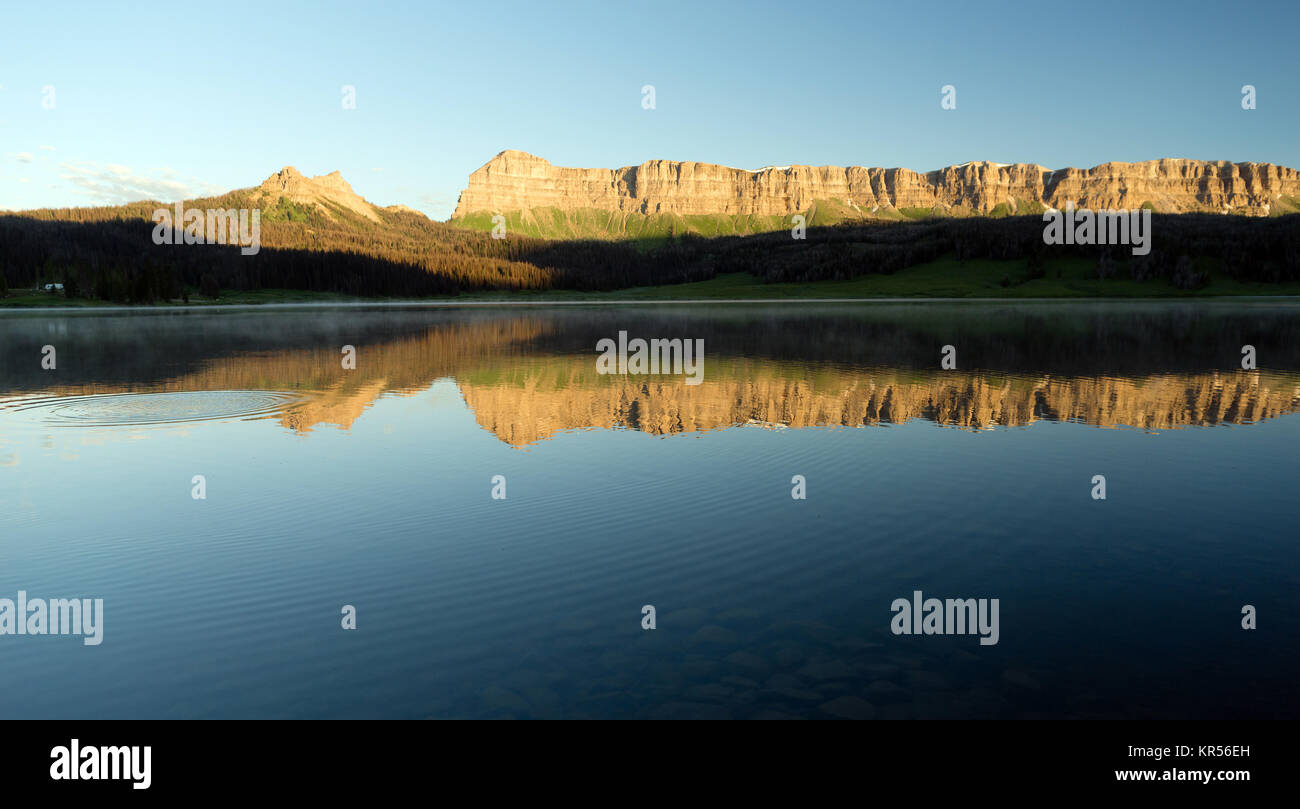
317, 235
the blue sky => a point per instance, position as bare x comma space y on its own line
191, 98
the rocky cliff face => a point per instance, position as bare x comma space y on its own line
518, 181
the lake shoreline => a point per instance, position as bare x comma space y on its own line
454, 302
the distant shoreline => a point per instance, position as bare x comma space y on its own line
447, 303
946, 279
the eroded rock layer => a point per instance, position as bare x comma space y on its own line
518, 181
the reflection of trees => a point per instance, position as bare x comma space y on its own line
528, 375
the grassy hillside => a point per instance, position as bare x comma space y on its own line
650, 230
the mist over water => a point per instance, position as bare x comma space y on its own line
371, 487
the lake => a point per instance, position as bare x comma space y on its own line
497, 513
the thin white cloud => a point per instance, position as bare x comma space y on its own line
47, 148
114, 183
432, 205
434, 201
22, 157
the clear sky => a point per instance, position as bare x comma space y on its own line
181, 99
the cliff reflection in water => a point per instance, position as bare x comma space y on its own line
529, 374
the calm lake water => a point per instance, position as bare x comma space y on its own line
373, 488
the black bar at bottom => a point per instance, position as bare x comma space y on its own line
334, 759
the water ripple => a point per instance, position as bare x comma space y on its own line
147, 409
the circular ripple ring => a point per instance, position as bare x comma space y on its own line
131, 409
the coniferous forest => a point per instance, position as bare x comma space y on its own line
109, 253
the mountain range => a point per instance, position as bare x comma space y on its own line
659, 197
589, 230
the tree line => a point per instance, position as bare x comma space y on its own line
109, 253
1244, 248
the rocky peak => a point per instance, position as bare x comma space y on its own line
288, 182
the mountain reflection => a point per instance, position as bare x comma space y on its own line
528, 375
